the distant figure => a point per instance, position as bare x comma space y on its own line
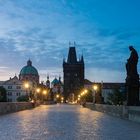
132, 61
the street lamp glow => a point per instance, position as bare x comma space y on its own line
82, 93
62, 99
44, 92
95, 87
85, 91
79, 96
78, 99
38, 90
57, 96
26, 85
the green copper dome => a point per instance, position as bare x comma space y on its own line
55, 81
29, 69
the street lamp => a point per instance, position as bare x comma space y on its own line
57, 96
36, 95
62, 99
26, 86
95, 88
44, 92
38, 90
82, 93
78, 98
85, 91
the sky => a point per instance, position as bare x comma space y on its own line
42, 29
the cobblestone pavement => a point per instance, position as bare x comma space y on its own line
65, 122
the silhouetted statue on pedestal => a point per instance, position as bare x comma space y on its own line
132, 79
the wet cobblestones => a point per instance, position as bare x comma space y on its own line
65, 122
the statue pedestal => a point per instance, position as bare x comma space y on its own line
132, 87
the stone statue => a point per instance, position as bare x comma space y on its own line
132, 79
131, 65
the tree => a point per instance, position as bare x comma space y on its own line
3, 97
116, 98
23, 98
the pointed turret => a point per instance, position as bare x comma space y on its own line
72, 58
82, 59
60, 80
48, 82
64, 61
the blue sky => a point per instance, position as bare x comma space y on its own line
41, 30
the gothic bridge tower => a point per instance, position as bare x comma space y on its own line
73, 71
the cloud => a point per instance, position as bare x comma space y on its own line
41, 31
7, 72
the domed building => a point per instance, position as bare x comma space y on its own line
29, 73
57, 86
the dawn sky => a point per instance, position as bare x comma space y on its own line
41, 30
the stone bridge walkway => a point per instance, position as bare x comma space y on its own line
65, 122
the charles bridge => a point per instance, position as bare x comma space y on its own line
66, 122
29, 121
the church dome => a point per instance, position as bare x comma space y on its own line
55, 82
29, 69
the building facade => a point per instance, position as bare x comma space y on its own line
14, 89
73, 71
104, 89
108, 88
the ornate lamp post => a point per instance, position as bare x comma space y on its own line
62, 99
95, 88
85, 91
57, 97
44, 94
26, 86
38, 90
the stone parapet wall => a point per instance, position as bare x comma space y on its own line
126, 112
134, 113
110, 109
9, 107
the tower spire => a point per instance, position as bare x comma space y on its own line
72, 57
82, 58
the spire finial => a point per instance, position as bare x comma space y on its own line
29, 63
47, 76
